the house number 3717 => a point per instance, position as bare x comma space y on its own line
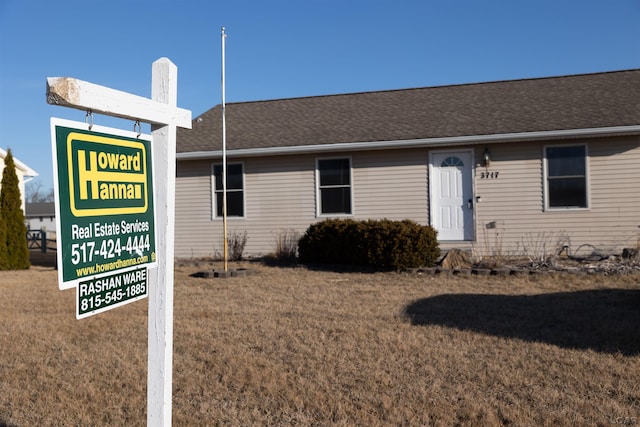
489, 175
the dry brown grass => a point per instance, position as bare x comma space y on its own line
309, 348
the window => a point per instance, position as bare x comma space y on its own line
452, 162
566, 175
235, 190
334, 186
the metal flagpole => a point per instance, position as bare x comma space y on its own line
224, 165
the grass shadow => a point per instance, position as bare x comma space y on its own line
606, 321
39, 258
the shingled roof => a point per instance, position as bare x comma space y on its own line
585, 101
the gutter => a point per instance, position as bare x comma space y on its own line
416, 143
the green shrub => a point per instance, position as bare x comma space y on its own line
377, 243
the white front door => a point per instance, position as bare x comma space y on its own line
452, 195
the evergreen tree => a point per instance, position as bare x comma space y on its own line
3, 243
15, 230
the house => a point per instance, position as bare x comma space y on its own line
518, 167
41, 216
24, 173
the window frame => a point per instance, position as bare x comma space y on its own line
214, 198
587, 184
318, 188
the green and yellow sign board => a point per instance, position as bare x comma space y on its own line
104, 202
108, 176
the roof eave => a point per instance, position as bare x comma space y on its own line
416, 143
26, 170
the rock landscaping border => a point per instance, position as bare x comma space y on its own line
523, 271
221, 274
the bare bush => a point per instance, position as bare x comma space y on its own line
543, 247
492, 253
287, 245
236, 243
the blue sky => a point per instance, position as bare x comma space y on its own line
286, 48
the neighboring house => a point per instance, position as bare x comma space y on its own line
24, 173
41, 216
503, 168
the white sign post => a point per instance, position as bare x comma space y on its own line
161, 111
160, 339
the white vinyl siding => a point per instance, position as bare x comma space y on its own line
280, 197
391, 185
194, 228
515, 200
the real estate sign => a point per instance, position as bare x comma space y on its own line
104, 212
101, 293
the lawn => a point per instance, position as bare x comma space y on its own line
293, 346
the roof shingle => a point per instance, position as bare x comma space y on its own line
544, 104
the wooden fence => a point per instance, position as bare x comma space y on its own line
41, 239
